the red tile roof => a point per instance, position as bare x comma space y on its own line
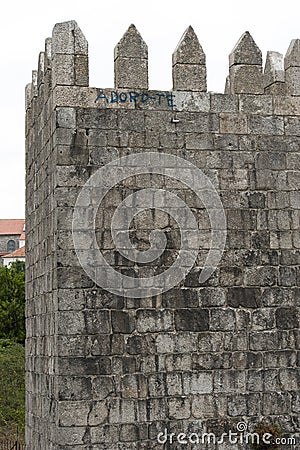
11, 226
19, 253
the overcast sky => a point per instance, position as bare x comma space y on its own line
218, 24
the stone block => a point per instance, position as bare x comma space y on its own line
102, 387
97, 322
100, 344
84, 366
131, 61
244, 297
279, 358
104, 435
245, 51
203, 406
74, 388
199, 141
276, 403
73, 278
64, 69
141, 345
229, 381
127, 364
210, 361
129, 433
287, 318
131, 73
263, 340
225, 142
271, 160
104, 119
185, 342
71, 435
246, 360
189, 77
179, 408
222, 319
132, 121
154, 321
180, 298
157, 385
197, 383
223, 103
263, 319
192, 100
266, 125
191, 320
122, 322
70, 322
256, 104
292, 80
153, 409
134, 386
122, 411
274, 69
81, 70
288, 276
231, 276
98, 414
261, 276
246, 79
211, 297
174, 384
286, 105
177, 362
233, 123
237, 405
73, 413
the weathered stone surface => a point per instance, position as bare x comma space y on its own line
122, 322
69, 54
246, 79
292, 56
244, 297
292, 67
245, 51
189, 320
189, 77
188, 50
245, 67
292, 80
287, 318
274, 69
131, 61
189, 69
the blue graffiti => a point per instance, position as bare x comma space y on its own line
159, 98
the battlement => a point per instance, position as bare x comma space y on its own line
65, 63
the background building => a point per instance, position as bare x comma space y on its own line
12, 240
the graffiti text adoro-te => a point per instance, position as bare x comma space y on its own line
157, 98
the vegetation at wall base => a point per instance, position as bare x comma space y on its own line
12, 352
12, 390
271, 429
12, 302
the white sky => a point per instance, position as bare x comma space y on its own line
218, 25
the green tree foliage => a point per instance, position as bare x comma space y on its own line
12, 389
12, 302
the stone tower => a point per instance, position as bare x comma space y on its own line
124, 369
